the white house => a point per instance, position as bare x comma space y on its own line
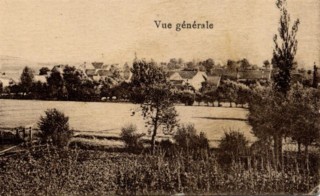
5, 81
192, 78
40, 78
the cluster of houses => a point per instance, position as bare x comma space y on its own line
179, 78
195, 78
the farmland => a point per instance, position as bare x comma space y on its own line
106, 119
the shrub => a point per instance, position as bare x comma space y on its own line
130, 136
186, 138
232, 146
187, 98
54, 128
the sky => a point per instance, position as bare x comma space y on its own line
112, 31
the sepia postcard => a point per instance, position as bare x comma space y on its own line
162, 97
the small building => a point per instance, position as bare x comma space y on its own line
102, 74
214, 81
5, 81
254, 75
40, 78
188, 78
97, 65
59, 68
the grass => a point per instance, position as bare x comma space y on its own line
95, 143
107, 118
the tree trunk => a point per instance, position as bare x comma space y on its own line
278, 151
275, 150
154, 133
306, 155
153, 139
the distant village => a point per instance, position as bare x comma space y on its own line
195, 77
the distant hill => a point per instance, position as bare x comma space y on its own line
11, 63
12, 66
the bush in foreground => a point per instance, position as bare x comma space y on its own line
188, 141
232, 146
131, 138
54, 128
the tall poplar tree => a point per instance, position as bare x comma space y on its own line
285, 49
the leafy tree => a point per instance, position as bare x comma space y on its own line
175, 64
243, 94
73, 79
27, 78
208, 64
266, 64
153, 92
56, 85
244, 64
285, 50
54, 127
44, 71
229, 89
304, 112
39, 90
16, 89
86, 90
270, 110
269, 118
121, 91
191, 65
187, 98
198, 98
232, 66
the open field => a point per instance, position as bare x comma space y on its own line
106, 119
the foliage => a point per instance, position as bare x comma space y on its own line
44, 71
232, 146
187, 98
56, 85
72, 78
27, 78
304, 107
243, 94
131, 138
284, 52
39, 90
273, 117
229, 91
54, 128
198, 98
267, 116
208, 64
51, 171
186, 138
151, 89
